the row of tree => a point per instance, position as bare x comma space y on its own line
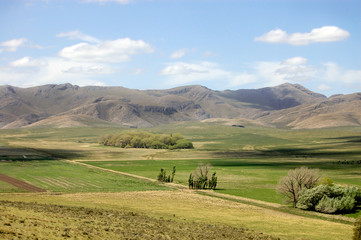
146, 140
303, 188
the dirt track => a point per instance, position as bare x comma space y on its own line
20, 184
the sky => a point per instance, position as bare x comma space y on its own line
161, 44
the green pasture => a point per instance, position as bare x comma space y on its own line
60, 176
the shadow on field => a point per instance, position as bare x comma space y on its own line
284, 164
31, 154
324, 158
350, 139
290, 152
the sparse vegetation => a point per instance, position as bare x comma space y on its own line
146, 140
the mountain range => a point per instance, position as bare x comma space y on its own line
66, 105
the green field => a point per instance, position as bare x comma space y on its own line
248, 161
60, 176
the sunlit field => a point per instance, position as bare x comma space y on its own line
248, 161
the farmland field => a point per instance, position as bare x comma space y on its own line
248, 161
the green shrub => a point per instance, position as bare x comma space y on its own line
330, 199
182, 144
357, 229
326, 181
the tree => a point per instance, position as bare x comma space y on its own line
295, 181
191, 181
213, 181
357, 229
173, 173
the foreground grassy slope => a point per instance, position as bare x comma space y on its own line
32, 220
179, 209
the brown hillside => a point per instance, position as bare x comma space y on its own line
67, 105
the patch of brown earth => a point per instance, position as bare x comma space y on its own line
21, 184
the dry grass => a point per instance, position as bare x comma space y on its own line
185, 205
21, 220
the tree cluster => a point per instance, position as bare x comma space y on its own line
330, 199
146, 140
200, 179
303, 189
162, 176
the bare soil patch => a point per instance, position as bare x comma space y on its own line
21, 184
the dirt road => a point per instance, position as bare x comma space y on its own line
21, 184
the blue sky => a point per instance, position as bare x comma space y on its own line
158, 44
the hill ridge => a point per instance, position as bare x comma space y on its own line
286, 105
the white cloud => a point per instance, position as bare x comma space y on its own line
12, 45
323, 34
184, 73
324, 87
182, 68
78, 35
26, 72
119, 50
27, 62
295, 61
179, 53
333, 73
293, 70
106, 1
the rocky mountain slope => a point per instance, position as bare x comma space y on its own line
65, 105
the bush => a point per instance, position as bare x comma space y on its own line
146, 140
330, 199
182, 144
199, 178
357, 229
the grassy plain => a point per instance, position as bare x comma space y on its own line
248, 161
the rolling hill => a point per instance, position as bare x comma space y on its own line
66, 105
